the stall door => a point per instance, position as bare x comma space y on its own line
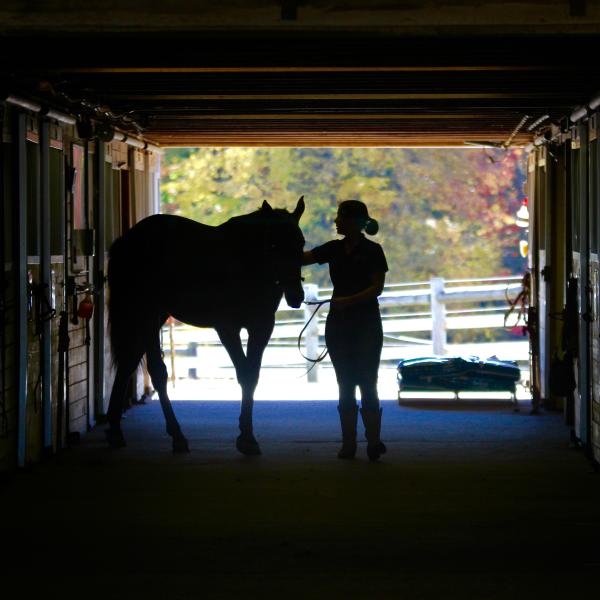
575, 266
533, 257
543, 225
594, 270
580, 271
539, 265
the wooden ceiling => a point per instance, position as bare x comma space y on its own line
237, 88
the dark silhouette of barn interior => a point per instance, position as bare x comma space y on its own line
471, 501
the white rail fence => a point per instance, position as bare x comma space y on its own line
466, 304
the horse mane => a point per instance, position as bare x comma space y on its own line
260, 216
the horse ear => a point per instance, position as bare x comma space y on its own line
266, 206
299, 208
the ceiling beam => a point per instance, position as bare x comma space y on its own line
306, 69
343, 96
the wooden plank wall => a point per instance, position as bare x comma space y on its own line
77, 376
79, 405
78, 385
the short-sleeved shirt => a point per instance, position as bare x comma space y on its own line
352, 272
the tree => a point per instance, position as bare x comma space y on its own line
442, 212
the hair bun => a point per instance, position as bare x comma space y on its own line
371, 226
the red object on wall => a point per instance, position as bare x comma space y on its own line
85, 310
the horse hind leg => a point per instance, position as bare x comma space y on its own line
114, 434
159, 376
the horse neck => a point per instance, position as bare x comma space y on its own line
244, 242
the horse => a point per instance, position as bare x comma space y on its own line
227, 277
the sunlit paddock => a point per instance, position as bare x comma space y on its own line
199, 367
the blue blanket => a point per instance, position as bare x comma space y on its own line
458, 373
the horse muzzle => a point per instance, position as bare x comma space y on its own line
294, 295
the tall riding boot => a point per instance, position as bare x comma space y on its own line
348, 419
372, 422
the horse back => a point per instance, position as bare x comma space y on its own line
169, 243
169, 252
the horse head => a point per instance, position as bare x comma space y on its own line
284, 246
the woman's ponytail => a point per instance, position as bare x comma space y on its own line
371, 226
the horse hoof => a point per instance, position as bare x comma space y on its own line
180, 445
247, 445
115, 438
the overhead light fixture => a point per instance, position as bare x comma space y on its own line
537, 122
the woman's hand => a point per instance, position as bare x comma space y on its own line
368, 294
342, 302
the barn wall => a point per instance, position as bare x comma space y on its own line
73, 408
565, 212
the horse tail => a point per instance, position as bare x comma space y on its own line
121, 295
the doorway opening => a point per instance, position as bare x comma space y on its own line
449, 217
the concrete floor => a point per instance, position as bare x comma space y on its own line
471, 501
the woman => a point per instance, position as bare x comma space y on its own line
353, 332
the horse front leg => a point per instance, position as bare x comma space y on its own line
257, 341
246, 442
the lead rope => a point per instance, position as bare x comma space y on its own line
324, 353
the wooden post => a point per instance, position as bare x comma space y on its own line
438, 316
311, 333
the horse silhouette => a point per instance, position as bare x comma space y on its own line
227, 277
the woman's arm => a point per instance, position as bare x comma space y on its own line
309, 258
373, 291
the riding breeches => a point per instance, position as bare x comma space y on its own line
354, 338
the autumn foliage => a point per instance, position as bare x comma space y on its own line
442, 212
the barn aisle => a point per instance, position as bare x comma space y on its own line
470, 502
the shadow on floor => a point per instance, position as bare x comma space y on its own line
473, 503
